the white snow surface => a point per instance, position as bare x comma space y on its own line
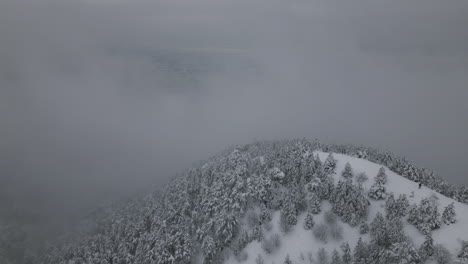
300, 243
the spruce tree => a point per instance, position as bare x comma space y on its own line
427, 248
463, 254
309, 222
402, 205
347, 172
314, 203
377, 191
381, 177
390, 207
378, 230
364, 228
336, 259
330, 164
404, 253
425, 217
361, 253
347, 258
448, 216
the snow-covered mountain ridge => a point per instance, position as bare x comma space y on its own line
299, 244
282, 202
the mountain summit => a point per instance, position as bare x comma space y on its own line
290, 201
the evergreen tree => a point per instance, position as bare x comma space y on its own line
427, 248
390, 206
258, 188
321, 187
404, 253
413, 214
442, 255
425, 217
402, 205
464, 251
377, 192
398, 208
298, 197
347, 258
309, 222
448, 216
336, 259
314, 203
330, 165
364, 228
381, 177
386, 232
378, 230
265, 214
347, 172
288, 213
361, 253
348, 202
208, 247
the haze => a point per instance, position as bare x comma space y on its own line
101, 99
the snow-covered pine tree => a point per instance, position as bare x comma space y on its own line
364, 228
318, 163
425, 217
361, 253
381, 177
442, 255
398, 208
265, 214
309, 222
314, 203
427, 248
404, 253
298, 197
349, 202
347, 257
258, 188
330, 165
390, 206
347, 172
377, 191
336, 258
276, 174
402, 205
209, 248
378, 230
386, 232
321, 186
413, 214
448, 216
463, 254
288, 213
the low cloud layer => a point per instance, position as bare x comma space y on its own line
105, 98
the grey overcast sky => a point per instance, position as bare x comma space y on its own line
106, 97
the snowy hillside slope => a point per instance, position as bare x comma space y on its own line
281, 202
301, 245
